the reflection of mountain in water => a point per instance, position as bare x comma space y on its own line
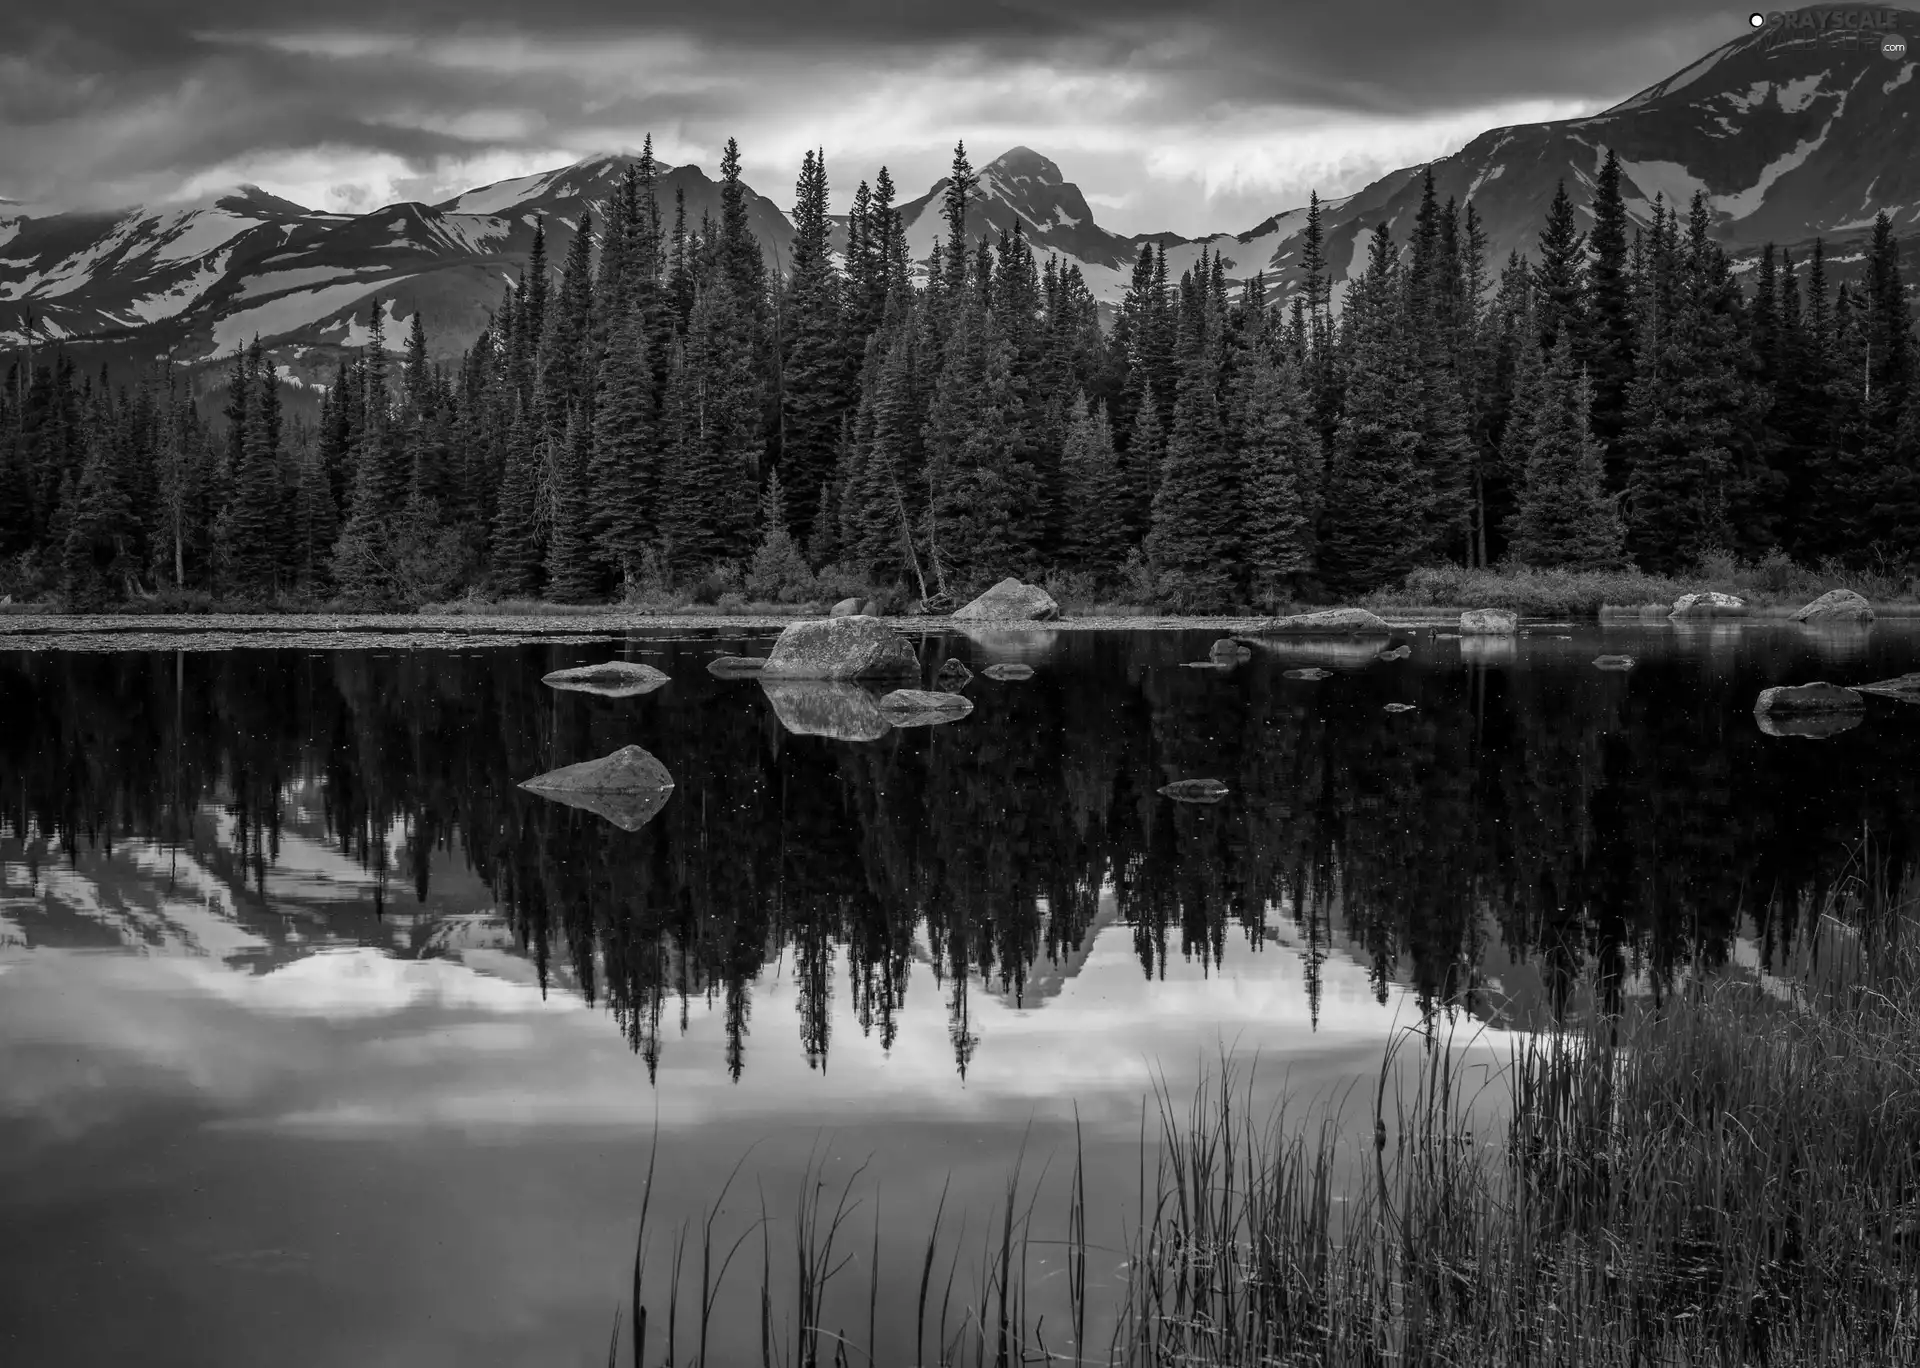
1524, 825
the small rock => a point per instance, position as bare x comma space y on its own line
1227, 651
1009, 671
1397, 653
1836, 605
1613, 662
1906, 688
923, 708
612, 679
1446, 636
1710, 604
1399, 707
846, 607
1818, 697
1011, 600
1195, 791
1203, 665
729, 667
858, 647
1311, 672
1327, 622
953, 674
627, 788
1488, 622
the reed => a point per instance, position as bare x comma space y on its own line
1726, 1172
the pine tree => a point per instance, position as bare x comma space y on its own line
1280, 470
1566, 517
516, 544
708, 503
1611, 317
778, 570
570, 560
1095, 538
625, 472
1190, 543
815, 379
1560, 278
984, 514
961, 183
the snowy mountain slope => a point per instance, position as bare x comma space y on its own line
1790, 134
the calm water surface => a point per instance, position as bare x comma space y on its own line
321, 1042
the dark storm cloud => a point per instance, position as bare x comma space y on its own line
107, 99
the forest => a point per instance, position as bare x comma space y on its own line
663, 414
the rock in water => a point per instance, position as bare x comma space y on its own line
628, 788
613, 679
821, 707
1311, 672
921, 708
1819, 697
1227, 651
1710, 604
1215, 665
857, 647
733, 667
1488, 622
1836, 605
953, 674
1397, 653
1011, 600
1006, 672
1399, 707
1906, 688
1327, 622
1195, 791
846, 607
1613, 662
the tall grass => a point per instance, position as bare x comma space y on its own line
1725, 1172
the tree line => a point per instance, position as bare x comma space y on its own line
662, 409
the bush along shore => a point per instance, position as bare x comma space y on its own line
1725, 1171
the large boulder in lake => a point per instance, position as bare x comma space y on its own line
846, 607
1818, 699
1326, 622
1007, 671
1011, 601
1195, 791
1836, 605
923, 707
628, 787
823, 707
611, 679
1708, 605
1488, 622
953, 674
857, 647
1227, 651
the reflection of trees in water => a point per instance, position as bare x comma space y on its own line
1581, 820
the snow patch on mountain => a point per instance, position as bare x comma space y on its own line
1665, 178
290, 311
1797, 94
500, 196
289, 278
168, 303
1756, 95
9, 230
1740, 204
1906, 74
197, 233
1492, 173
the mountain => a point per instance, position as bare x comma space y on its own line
1790, 134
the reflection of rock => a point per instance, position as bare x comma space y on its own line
1216, 665
1906, 688
734, 667
1613, 662
1836, 605
1195, 791
1710, 604
1837, 641
627, 788
841, 648
1030, 644
846, 607
1010, 600
1811, 726
1488, 650
1799, 700
611, 679
819, 707
1397, 653
1227, 651
1399, 707
923, 708
953, 674
1327, 622
1311, 672
1351, 654
1008, 672
1488, 622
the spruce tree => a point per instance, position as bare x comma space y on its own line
570, 561
815, 380
1190, 542
1095, 538
779, 571
516, 542
1280, 470
708, 503
625, 474
1566, 517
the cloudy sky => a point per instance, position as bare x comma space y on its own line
1203, 116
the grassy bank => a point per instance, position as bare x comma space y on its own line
1724, 1173
1775, 583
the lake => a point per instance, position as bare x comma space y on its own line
323, 1042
